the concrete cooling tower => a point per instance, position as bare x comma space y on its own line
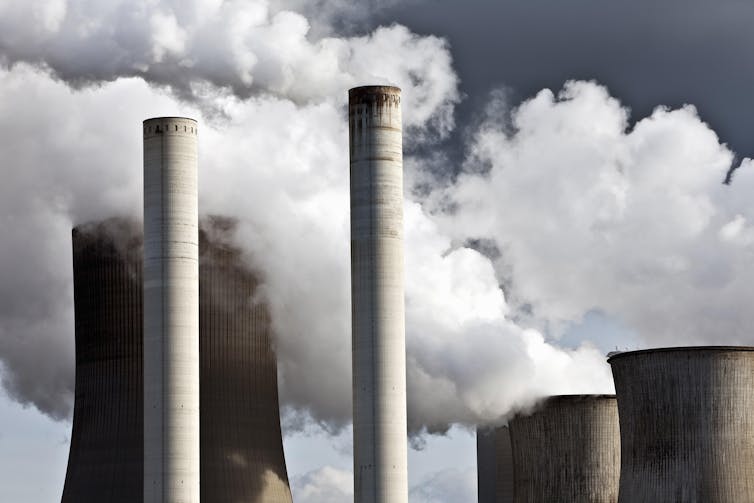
241, 456
686, 423
241, 442
567, 450
105, 460
494, 461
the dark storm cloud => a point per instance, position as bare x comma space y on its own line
648, 53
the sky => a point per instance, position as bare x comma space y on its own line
564, 164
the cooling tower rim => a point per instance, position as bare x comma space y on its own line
579, 397
679, 349
104, 222
168, 117
360, 91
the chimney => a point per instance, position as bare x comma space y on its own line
171, 311
378, 331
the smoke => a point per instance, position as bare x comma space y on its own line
65, 162
271, 100
205, 51
567, 208
592, 214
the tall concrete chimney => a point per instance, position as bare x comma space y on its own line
171, 312
378, 331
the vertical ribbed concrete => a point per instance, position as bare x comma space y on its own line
568, 450
494, 462
687, 424
171, 312
241, 444
486, 465
378, 333
105, 460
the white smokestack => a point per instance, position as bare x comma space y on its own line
171, 312
378, 331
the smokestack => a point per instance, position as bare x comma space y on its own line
171, 311
378, 332
686, 423
568, 450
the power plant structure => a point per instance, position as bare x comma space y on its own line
377, 295
176, 378
241, 455
171, 311
686, 423
494, 463
568, 449
105, 461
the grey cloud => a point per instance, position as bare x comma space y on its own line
647, 52
453, 485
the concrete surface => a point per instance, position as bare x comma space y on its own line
241, 456
171, 311
377, 295
567, 450
687, 424
494, 465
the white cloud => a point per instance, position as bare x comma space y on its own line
276, 158
324, 485
203, 50
591, 214
278, 162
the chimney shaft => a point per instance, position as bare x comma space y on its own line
378, 333
171, 312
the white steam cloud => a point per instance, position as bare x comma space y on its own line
207, 50
585, 213
589, 213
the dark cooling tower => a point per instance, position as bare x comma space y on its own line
241, 443
105, 460
494, 465
241, 456
568, 450
687, 424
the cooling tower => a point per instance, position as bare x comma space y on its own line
241, 445
687, 424
105, 459
378, 333
494, 462
171, 312
567, 450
